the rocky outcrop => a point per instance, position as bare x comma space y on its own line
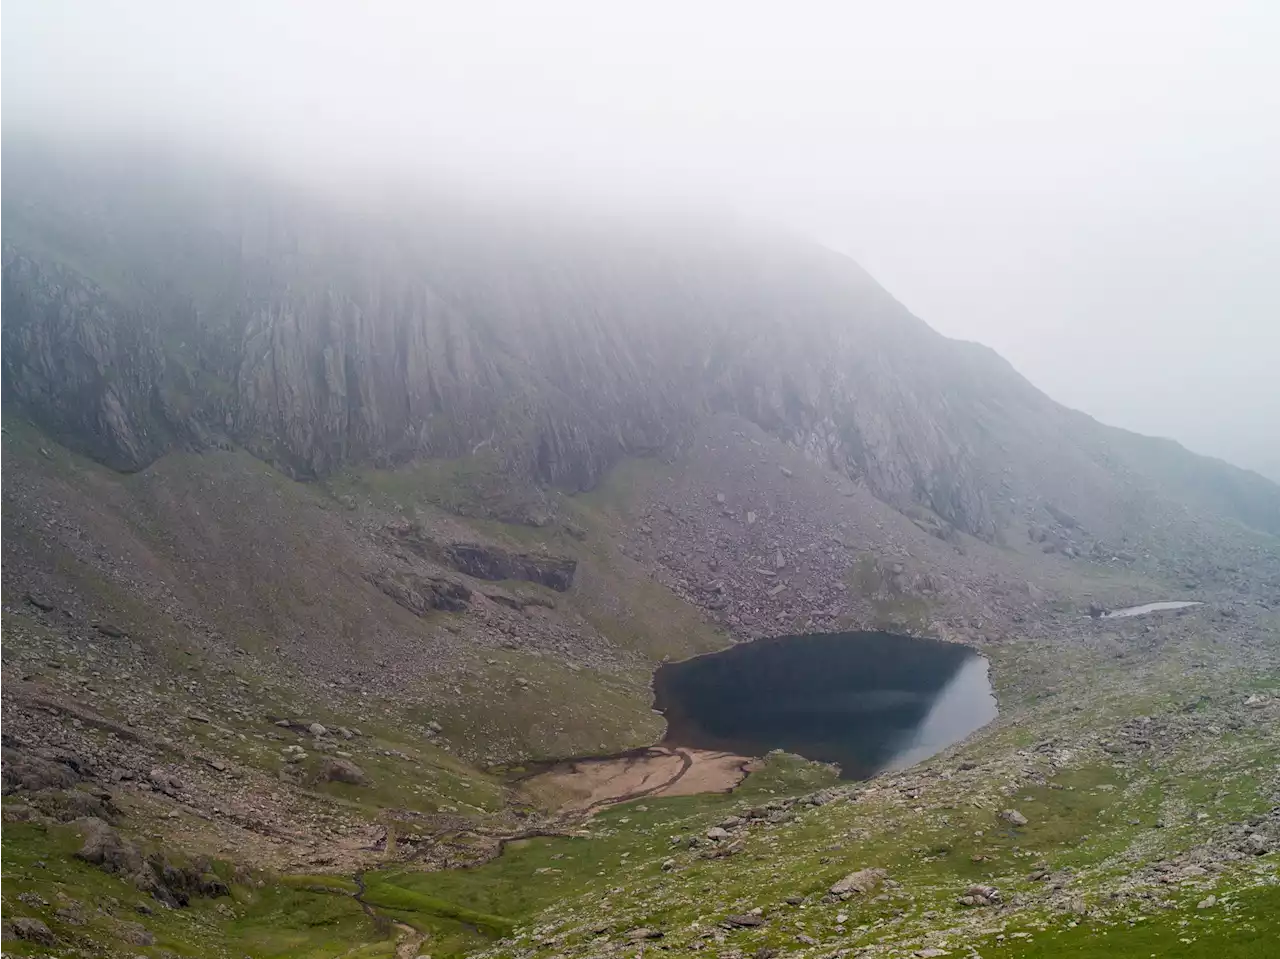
170, 882
30, 929
422, 594
482, 560
489, 562
89, 368
23, 772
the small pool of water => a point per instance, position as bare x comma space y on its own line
1146, 608
868, 701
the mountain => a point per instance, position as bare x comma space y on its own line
341, 524
155, 309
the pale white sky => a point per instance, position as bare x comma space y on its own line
1089, 188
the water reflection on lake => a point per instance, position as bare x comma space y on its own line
866, 700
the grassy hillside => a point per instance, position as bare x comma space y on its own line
171, 637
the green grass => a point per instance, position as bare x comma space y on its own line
900, 613
558, 712
320, 882
472, 486
906, 614
309, 916
628, 840
274, 918
562, 712
1095, 821
863, 576
934, 845
613, 592
436, 780
282, 921
386, 894
265, 916
1246, 926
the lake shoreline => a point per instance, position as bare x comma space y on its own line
866, 702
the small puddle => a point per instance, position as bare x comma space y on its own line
867, 701
1146, 608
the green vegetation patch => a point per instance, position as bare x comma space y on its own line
1243, 925
629, 840
98, 914
474, 486
419, 905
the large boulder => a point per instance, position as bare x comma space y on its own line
73, 804
859, 883
342, 771
979, 895
31, 773
31, 929
135, 933
481, 560
106, 848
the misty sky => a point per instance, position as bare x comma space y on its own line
1090, 188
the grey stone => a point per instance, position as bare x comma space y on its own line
135, 933
1013, 817
342, 771
31, 929
644, 932
861, 882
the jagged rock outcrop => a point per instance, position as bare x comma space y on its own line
33, 773
172, 883
422, 594
481, 560
148, 308
487, 562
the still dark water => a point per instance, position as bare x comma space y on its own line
868, 701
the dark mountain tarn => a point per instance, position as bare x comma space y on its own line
867, 701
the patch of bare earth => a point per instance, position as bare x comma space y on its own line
587, 784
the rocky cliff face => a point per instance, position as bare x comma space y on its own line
150, 309
84, 362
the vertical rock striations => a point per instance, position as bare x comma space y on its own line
147, 309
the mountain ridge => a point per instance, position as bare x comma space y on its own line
403, 505
145, 313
